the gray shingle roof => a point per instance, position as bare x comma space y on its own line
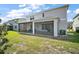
76, 16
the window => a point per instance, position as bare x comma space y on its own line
32, 17
42, 14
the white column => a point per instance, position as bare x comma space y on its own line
33, 28
17, 27
55, 28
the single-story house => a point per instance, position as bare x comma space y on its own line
49, 22
13, 24
76, 23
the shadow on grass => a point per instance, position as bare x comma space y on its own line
71, 37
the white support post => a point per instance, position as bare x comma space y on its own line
33, 28
17, 28
55, 28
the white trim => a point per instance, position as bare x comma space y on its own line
33, 28
40, 19
55, 28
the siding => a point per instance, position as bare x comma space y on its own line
75, 23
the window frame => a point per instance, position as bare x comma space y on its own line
31, 17
43, 15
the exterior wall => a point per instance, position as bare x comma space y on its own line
60, 13
75, 23
62, 24
38, 16
15, 27
23, 20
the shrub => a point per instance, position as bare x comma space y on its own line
62, 32
77, 29
3, 40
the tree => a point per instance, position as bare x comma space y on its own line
0, 29
3, 40
0, 20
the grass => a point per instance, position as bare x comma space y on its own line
20, 43
73, 37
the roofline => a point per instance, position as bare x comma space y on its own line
58, 8
75, 16
13, 19
38, 20
65, 6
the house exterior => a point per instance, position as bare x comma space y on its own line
50, 22
13, 24
76, 23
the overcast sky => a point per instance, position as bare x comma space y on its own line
10, 11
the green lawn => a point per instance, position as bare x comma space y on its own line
20, 43
73, 37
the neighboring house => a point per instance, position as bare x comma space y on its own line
50, 22
13, 24
76, 23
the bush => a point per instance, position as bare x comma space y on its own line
77, 31
3, 40
1, 52
62, 32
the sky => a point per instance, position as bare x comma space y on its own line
11, 11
